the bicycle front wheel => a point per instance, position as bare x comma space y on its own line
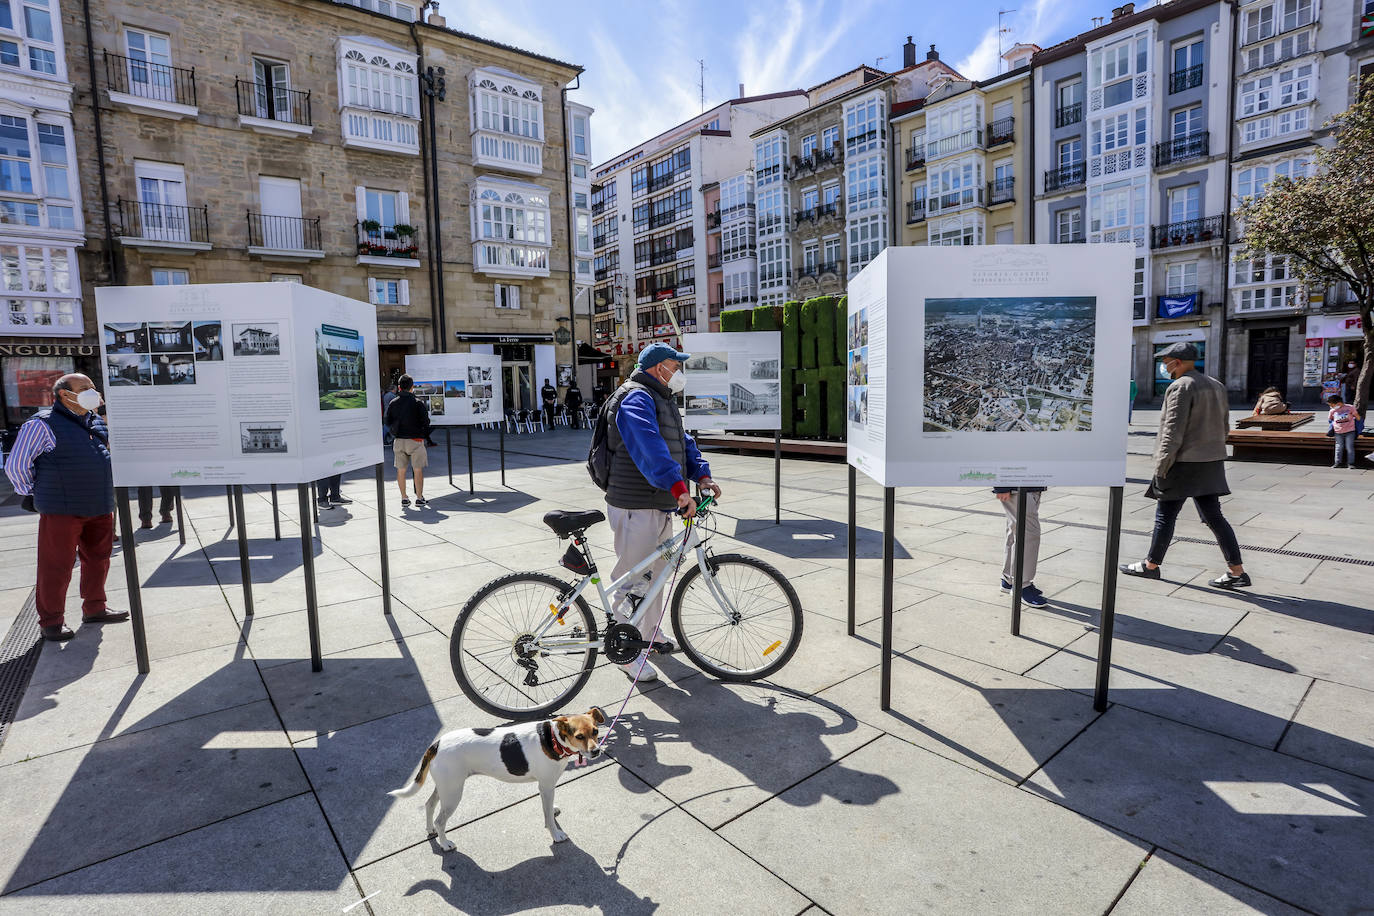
740, 621
493, 653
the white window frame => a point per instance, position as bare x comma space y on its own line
28, 50
170, 276
867, 237
1180, 278
506, 295
388, 291
1065, 223
41, 290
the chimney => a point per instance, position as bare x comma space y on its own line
1097, 22
741, 90
909, 53
1122, 11
932, 54
436, 20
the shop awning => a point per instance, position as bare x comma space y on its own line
499, 338
586, 353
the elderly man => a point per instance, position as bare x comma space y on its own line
1190, 462
61, 465
652, 459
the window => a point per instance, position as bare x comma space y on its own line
864, 183
809, 197
584, 232
768, 156
392, 8
834, 249
863, 126
1071, 152
1259, 24
1281, 290
579, 170
1186, 122
287, 278
1185, 203
1070, 92
830, 138
512, 218
1187, 54
510, 229
808, 145
386, 208
28, 39
388, 292
150, 65
811, 252
964, 229
1003, 235
41, 290
579, 135
1068, 225
164, 276
507, 296
1180, 279
830, 194
380, 83
1296, 13
867, 237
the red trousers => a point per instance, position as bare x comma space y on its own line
61, 539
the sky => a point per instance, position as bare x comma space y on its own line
641, 59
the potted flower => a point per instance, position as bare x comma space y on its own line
371, 226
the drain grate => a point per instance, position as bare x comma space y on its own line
18, 657
1353, 561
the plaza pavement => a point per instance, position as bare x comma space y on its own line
1233, 772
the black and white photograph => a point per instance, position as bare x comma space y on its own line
170, 336
126, 337
260, 339
481, 406
1012, 364
755, 398
479, 391
708, 362
174, 369
764, 369
479, 374
708, 405
129, 369
266, 437
208, 341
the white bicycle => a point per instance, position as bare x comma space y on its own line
526, 643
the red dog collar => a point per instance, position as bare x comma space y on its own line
552, 747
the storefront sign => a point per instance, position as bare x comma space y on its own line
1313, 342
1179, 334
1312, 363
1177, 306
1334, 326
665, 294
48, 350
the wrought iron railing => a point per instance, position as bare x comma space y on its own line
163, 222
381, 241
1182, 149
915, 210
1065, 115
1003, 130
286, 233
1001, 190
916, 157
273, 103
1187, 78
1188, 232
1066, 176
159, 82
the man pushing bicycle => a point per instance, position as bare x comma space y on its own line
652, 458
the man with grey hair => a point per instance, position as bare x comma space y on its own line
1190, 463
60, 464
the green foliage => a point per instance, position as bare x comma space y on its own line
835, 394
737, 320
768, 318
789, 423
842, 331
791, 334
1324, 223
818, 332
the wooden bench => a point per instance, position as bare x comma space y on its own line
1290, 446
1274, 421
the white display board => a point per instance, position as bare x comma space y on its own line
238, 383
733, 380
462, 389
1004, 365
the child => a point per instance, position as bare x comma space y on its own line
1342, 418
1030, 595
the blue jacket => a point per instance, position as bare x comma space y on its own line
637, 422
75, 477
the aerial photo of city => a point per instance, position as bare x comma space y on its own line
1009, 364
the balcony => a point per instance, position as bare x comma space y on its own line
1182, 149
1065, 177
736, 211
955, 143
598, 207
1071, 238
1188, 78
815, 161
273, 109
598, 241
1066, 115
713, 260
385, 245
1188, 232
659, 182
509, 259
508, 152
713, 219
737, 297
1003, 130
816, 271
163, 226
956, 200
916, 157
148, 88
1001, 191
659, 220
291, 238
735, 252
915, 211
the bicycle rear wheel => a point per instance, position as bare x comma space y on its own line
752, 633
490, 647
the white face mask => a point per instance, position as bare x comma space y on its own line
88, 399
677, 382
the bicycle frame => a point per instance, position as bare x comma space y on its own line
687, 539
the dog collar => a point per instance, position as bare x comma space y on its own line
550, 744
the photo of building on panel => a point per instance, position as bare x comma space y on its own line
174, 369
126, 337
262, 438
170, 336
261, 339
708, 405
341, 368
755, 398
129, 369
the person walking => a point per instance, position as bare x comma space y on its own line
327, 492
573, 402
1030, 595
1190, 463
61, 466
548, 399
652, 459
387, 397
165, 505
1342, 419
408, 419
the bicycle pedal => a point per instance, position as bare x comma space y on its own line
666, 647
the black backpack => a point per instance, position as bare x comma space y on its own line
599, 455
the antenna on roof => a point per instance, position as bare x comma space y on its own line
878, 64
1001, 30
701, 81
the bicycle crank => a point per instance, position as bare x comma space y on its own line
624, 643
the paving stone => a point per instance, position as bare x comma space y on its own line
1289, 828
627, 852
828, 655
1220, 694
826, 592
937, 837
1334, 727
1173, 621
427, 591
287, 593
280, 639
1169, 884
223, 868
84, 805
1302, 647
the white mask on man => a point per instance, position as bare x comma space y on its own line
88, 399
677, 382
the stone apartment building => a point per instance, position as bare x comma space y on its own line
822, 179
293, 140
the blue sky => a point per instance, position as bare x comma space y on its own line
641, 58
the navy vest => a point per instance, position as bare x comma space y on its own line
628, 487
75, 478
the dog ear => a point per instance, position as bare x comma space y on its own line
563, 728
597, 715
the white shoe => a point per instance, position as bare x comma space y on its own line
632, 669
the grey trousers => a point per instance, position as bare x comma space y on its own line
1032, 538
637, 533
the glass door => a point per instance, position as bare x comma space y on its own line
162, 209
270, 82
150, 65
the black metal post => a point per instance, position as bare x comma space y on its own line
312, 611
448, 448
229, 496
889, 523
853, 543
381, 538
1108, 624
502, 427
276, 515
1018, 562
472, 487
777, 477
245, 570
315, 506
181, 518
126, 546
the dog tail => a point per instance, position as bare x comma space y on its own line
420, 776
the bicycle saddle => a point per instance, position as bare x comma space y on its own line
565, 523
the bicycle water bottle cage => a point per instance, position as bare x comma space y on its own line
575, 560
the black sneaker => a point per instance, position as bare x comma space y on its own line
1033, 597
341, 500
1139, 568
421, 502
1228, 581
405, 502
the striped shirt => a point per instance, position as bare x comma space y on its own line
35, 437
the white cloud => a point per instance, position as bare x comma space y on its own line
789, 47
1034, 22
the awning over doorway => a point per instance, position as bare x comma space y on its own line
500, 338
586, 353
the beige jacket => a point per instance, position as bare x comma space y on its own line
1193, 423
1270, 404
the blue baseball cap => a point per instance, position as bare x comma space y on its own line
657, 352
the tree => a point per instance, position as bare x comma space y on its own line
1324, 222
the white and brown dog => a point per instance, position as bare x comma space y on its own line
529, 752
